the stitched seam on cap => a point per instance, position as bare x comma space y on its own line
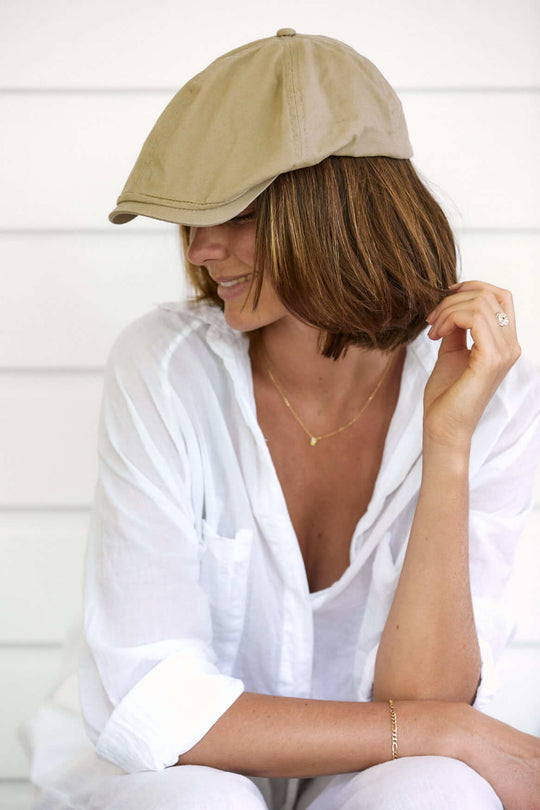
292, 99
136, 197
299, 99
174, 203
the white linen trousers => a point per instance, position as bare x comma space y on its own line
411, 783
196, 588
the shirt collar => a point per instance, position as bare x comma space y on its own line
403, 445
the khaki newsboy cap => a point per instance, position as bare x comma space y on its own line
268, 107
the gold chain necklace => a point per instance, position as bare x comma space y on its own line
314, 439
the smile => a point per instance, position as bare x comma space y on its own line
235, 281
233, 288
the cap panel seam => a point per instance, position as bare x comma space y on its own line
300, 103
293, 99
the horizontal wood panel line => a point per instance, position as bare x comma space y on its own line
22, 510
13, 782
112, 231
468, 90
497, 230
524, 645
49, 507
86, 507
4, 781
96, 370
59, 507
154, 90
30, 645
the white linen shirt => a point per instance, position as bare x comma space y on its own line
195, 584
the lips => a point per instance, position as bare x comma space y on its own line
233, 281
232, 286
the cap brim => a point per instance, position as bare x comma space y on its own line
201, 217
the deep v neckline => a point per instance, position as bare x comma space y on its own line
393, 436
402, 451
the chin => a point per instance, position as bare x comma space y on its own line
245, 321
242, 324
240, 315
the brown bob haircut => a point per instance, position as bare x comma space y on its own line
356, 247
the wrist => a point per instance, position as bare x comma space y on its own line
448, 436
432, 728
450, 456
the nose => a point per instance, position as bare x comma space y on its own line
207, 244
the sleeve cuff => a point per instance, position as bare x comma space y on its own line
166, 713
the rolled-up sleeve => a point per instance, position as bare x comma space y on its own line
147, 619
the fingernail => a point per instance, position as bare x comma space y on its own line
454, 286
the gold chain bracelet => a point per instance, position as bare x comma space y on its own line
393, 720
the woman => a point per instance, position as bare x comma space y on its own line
242, 650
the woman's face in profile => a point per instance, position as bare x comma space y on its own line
227, 251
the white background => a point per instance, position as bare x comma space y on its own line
81, 83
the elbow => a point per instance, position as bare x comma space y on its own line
434, 674
460, 689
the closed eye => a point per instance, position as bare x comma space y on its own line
246, 217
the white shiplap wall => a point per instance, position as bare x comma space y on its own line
80, 86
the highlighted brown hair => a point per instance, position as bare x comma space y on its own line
356, 247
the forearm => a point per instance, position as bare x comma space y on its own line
429, 648
261, 735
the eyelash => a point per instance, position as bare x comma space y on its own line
244, 217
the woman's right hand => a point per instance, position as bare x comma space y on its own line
507, 758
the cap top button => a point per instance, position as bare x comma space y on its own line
286, 32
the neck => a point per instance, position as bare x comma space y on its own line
305, 374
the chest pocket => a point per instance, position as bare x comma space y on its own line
225, 564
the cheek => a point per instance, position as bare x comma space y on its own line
270, 300
246, 246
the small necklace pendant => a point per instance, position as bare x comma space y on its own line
313, 441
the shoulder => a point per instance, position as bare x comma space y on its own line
180, 357
156, 332
173, 334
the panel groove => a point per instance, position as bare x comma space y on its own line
113, 231
49, 507
110, 91
97, 370
8, 646
106, 231
21, 781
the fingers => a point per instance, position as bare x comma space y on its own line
477, 298
473, 306
470, 290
